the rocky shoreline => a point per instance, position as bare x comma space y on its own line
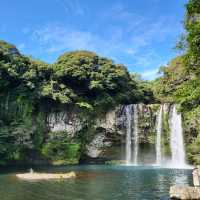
187, 192
45, 176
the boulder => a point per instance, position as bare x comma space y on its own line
184, 193
97, 145
45, 176
196, 175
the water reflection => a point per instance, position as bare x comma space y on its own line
180, 178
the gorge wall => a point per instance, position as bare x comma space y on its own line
107, 134
131, 134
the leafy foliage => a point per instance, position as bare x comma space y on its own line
59, 147
192, 25
180, 82
30, 89
84, 79
174, 75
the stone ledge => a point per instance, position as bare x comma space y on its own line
45, 176
196, 176
184, 193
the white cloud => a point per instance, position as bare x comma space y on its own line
72, 7
130, 51
130, 36
150, 74
56, 38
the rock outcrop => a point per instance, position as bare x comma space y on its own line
107, 130
97, 145
65, 121
45, 176
187, 192
196, 176
184, 193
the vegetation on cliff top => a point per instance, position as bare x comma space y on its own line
30, 89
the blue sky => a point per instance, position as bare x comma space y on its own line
138, 33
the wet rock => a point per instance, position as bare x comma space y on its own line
65, 121
45, 176
184, 193
108, 121
107, 132
196, 176
97, 145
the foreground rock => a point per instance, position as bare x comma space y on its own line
185, 193
196, 176
45, 176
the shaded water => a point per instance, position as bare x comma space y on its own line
96, 182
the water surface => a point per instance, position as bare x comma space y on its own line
96, 182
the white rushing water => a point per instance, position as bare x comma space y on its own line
158, 136
176, 139
131, 112
135, 134
128, 111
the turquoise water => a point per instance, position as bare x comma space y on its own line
96, 182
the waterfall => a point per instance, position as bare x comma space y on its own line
131, 112
131, 119
135, 134
176, 139
158, 136
128, 112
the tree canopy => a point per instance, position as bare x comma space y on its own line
30, 89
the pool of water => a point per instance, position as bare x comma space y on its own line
95, 182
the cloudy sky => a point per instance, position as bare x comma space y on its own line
138, 33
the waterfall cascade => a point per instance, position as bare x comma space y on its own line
131, 112
158, 136
135, 134
128, 112
176, 139
176, 135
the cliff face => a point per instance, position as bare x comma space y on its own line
74, 136
106, 134
101, 134
65, 121
71, 136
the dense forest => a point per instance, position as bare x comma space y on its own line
85, 83
30, 89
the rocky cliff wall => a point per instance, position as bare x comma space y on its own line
106, 133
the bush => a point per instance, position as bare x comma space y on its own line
61, 149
